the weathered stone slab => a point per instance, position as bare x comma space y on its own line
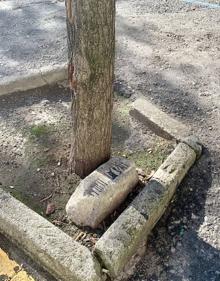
158, 121
121, 241
57, 252
99, 194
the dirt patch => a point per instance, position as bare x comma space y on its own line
35, 142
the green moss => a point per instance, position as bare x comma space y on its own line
39, 162
39, 131
147, 160
124, 110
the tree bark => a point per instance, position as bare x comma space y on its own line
91, 48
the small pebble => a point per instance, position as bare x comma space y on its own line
173, 250
50, 209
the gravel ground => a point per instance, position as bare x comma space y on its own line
168, 51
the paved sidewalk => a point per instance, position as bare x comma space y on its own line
33, 36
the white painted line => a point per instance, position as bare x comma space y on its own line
203, 3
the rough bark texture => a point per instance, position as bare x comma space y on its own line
91, 42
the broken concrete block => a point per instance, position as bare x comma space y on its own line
99, 194
120, 242
158, 121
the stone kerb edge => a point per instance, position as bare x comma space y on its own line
49, 246
39, 78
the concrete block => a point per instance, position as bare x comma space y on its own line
57, 252
158, 121
100, 193
194, 143
39, 78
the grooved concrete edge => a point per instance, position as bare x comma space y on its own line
120, 242
49, 246
39, 78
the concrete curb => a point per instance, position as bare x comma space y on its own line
121, 241
39, 78
57, 252
158, 121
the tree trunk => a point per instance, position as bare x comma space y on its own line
91, 44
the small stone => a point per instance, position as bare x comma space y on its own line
194, 217
59, 164
99, 194
38, 169
45, 102
11, 186
50, 209
173, 250
141, 172
53, 174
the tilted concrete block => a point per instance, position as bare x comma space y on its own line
100, 193
158, 121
